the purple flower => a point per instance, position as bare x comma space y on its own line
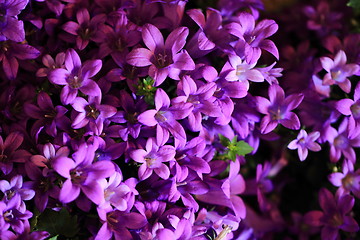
351, 108
117, 223
201, 98
211, 34
86, 29
348, 180
10, 27
9, 152
335, 215
11, 52
48, 117
82, 175
164, 118
305, 142
238, 70
278, 109
338, 71
342, 142
252, 37
12, 216
164, 59
153, 158
92, 113
50, 64
117, 40
15, 188
76, 77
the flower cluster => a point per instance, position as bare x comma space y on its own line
169, 119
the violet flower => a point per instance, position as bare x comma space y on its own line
305, 142
335, 214
164, 59
91, 112
85, 29
338, 71
76, 76
164, 118
153, 158
82, 175
278, 109
50, 64
10, 27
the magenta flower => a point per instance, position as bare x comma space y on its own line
338, 71
335, 214
85, 29
278, 109
76, 77
153, 158
82, 175
164, 59
305, 142
50, 64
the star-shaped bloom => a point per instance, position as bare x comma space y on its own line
164, 59
338, 71
76, 76
278, 109
305, 142
153, 158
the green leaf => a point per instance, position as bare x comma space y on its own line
58, 223
234, 148
53, 238
224, 141
354, 4
146, 89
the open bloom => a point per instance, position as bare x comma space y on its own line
305, 142
76, 76
338, 71
10, 27
278, 109
153, 159
164, 59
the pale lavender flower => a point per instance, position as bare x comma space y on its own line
164, 59
153, 158
76, 76
278, 109
338, 71
305, 142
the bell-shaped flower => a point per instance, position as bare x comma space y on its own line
305, 142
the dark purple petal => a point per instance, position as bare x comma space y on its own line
71, 27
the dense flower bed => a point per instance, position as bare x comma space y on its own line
172, 119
